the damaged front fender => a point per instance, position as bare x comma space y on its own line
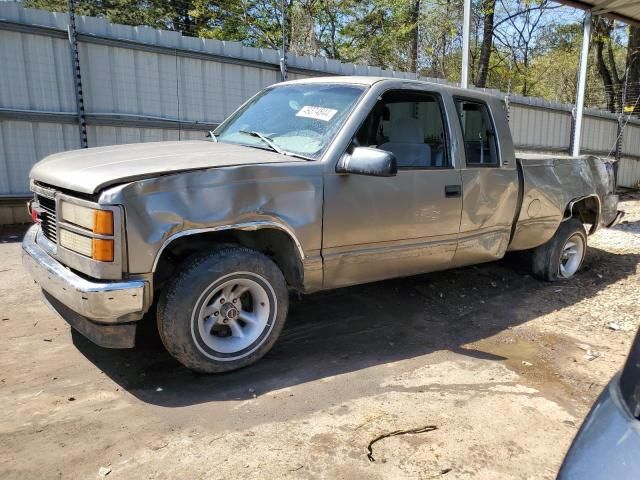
286, 196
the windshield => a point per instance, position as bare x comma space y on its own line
292, 119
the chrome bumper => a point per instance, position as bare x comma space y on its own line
101, 302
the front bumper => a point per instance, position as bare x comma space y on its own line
102, 311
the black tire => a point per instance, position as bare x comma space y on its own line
547, 257
184, 298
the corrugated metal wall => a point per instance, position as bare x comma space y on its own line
141, 84
540, 128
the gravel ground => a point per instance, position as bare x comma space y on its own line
504, 366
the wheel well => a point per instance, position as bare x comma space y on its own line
587, 210
274, 243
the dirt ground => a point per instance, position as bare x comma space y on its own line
504, 366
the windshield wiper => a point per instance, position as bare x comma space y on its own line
272, 144
266, 140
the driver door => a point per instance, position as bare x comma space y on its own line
376, 228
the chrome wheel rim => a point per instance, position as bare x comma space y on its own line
233, 316
571, 256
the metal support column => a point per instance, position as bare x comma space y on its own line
582, 83
77, 78
466, 32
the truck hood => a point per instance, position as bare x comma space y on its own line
90, 170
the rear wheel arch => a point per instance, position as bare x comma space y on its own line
586, 209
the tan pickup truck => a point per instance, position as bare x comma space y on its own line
310, 185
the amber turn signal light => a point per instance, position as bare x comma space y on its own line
102, 250
103, 222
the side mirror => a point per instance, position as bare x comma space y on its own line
368, 161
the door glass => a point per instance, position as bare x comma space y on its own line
410, 125
479, 136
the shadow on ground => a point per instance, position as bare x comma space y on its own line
628, 226
345, 330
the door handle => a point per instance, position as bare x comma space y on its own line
452, 191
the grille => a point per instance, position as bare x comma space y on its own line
48, 219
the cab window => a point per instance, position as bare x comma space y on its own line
479, 135
410, 125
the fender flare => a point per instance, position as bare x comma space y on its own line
245, 226
569, 210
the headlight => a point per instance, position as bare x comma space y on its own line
77, 243
95, 248
97, 221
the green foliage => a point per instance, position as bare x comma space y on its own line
534, 49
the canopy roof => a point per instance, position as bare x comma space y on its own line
627, 11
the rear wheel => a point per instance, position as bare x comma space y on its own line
224, 310
562, 256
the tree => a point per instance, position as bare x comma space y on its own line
520, 34
413, 16
516, 45
607, 69
618, 66
440, 38
633, 69
488, 15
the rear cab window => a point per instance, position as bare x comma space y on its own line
480, 143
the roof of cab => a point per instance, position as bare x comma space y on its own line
368, 81
360, 80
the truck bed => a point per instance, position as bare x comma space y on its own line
550, 183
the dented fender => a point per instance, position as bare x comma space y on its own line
552, 186
286, 196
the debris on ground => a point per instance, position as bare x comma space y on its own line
613, 326
158, 445
592, 354
103, 472
413, 431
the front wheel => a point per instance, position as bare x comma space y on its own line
562, 256
224, 310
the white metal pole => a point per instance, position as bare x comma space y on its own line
466, 31
582, 83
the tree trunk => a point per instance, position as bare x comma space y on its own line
600, 37
633, 69
488, 9
414, 15
525, 77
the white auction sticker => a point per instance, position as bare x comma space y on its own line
317, 113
